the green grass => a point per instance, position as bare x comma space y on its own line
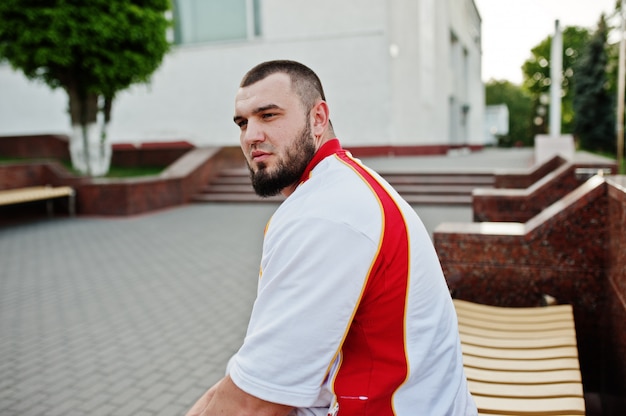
130, 172
114, 171
122, 171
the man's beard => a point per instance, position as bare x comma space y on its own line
288, 170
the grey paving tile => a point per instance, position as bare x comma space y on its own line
132, 407
97, 401
170, 410
158, 403
126, 396
64, 408
116, 312
104, 410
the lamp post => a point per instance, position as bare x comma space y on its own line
621, 84
556, 77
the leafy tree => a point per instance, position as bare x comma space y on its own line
594, 124
520, 110
537, 79
613, 63
612, 50
92, 49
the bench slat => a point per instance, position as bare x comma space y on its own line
561, 315
38, 193
523, 377
516, 326
527, 390
521, 335
528, 407
521, 365
520, 353
14, 196
532, 343
508, 311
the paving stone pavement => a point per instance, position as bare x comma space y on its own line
124, 316
136, 315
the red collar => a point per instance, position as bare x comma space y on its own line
329, 148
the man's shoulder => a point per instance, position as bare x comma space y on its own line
332, 188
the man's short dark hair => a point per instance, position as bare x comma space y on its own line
303, 80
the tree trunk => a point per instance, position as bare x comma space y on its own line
89, 149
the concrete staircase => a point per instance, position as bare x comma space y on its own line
438, 188
233, 185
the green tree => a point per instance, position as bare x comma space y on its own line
594, 107
520, 110
92, 49
537, 79
612, 50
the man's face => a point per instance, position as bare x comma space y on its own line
276, 136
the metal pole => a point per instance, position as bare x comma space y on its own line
556, 69
621, 85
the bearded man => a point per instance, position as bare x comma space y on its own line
353, 315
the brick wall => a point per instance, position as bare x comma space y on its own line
128, 196
520, 205
527, 177
572, 250
51, 146
148, 154
35, 146
616, 287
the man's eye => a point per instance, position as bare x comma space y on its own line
242, 123
268, 115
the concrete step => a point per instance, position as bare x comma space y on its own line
437, 189
252, 197
438, 179
241, 175
236, 197
233, 185
241, 188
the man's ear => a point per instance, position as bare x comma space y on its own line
320, 116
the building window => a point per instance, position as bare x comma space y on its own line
216, 20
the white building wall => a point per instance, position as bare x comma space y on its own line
464, 71
472, 36
30, 107
201, 102
415, 118
303, 19
383, 65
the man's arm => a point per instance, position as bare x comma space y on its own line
225, 398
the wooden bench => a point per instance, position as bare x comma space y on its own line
39, 193
521, 361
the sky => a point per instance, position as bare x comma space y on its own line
511, 28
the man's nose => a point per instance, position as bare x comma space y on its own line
253, 133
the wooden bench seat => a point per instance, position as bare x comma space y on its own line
500, 311
523, 315
38, 193
523, 377
520, 365
512, 334
531, 343
521, 361
521, 353
534, 391
522, 407
513, 325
